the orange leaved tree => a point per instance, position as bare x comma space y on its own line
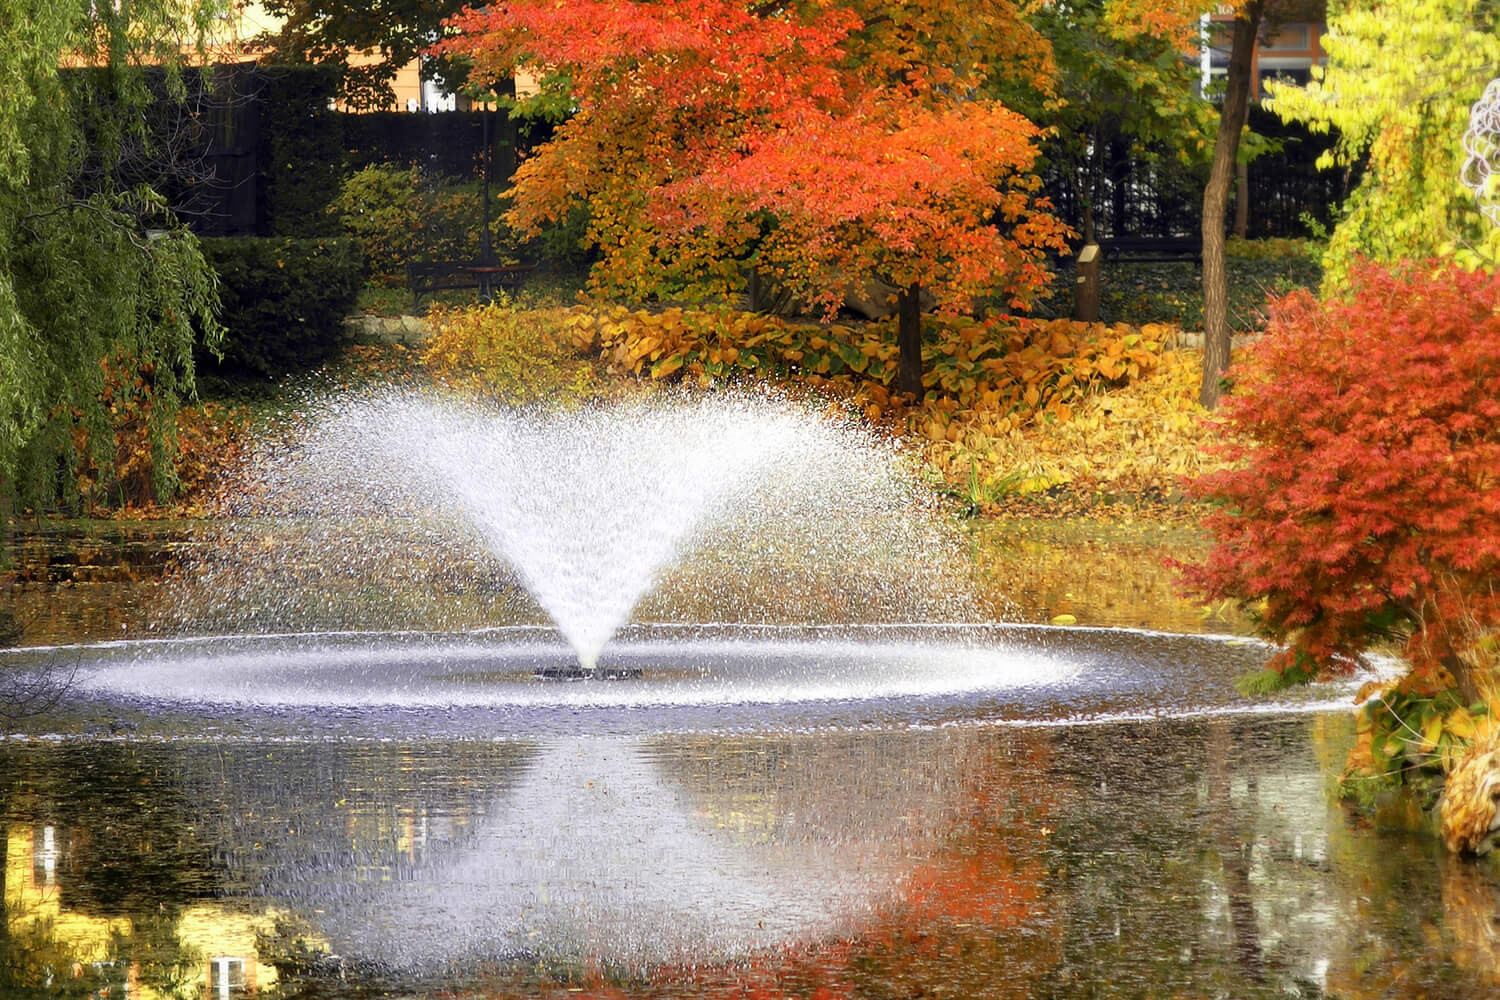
819, 143
1364, 496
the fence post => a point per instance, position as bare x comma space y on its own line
1086, 285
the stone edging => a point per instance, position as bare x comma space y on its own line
409, 331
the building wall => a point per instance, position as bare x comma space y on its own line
1288, 51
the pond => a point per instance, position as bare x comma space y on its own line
1057, 842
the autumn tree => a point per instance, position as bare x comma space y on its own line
818, 143
1397, 89
1361, 503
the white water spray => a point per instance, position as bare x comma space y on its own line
774, 511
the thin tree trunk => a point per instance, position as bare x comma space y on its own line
1242, 200
1216, 200
909, 340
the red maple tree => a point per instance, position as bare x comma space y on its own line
819, 143
1365, 501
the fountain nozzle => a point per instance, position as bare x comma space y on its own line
594, 672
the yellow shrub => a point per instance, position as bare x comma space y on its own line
507, 354
1019, 404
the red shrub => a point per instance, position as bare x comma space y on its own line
1366, 499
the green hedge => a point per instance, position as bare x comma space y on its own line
284, 301
1172, 291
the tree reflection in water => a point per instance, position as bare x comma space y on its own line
1173, 858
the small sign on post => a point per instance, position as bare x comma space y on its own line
1086, 285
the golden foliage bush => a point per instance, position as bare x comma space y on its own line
128, 469
1001, 364
213, 438
1012, 405
209, 441
507, 354
1143, 436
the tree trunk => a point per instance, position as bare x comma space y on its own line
1216, 201
1242, 200
909, 340
1463, 677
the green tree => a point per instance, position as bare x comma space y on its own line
388, 34
1398, 88
1119, 87
102, 291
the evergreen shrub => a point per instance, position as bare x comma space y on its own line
301, 150
284, 301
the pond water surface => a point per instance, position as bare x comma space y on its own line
974, 849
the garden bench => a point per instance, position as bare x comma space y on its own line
429, 276
1150, 248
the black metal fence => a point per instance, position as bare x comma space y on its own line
257, 150
1142, 199
449, 143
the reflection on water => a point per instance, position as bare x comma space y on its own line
1187, 858
1102, 573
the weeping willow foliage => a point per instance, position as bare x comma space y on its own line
100, 286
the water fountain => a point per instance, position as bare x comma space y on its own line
731, 556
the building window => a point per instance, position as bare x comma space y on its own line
44, 855
1294, 37
1300, 77
226, 977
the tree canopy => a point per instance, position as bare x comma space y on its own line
101, 291
1118, 87
1398, 91
387, 34
819, 143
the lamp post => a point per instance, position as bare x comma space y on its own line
486, 251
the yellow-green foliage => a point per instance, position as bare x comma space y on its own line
1415, 728
1273, 248
399, 216
508, 354
1001, 365
1409, 735
1398, 90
